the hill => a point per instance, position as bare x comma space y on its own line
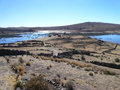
82, 27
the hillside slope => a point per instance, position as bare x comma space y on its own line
84, 27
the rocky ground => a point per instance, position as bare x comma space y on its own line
87, 63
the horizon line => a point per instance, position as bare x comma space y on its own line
56, 25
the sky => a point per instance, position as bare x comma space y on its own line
43, 13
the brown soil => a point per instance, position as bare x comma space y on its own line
50, 59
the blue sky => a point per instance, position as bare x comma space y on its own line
32, 13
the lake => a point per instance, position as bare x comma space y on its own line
22, 37
28, 36
11, 38
110, 38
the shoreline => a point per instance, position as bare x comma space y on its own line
63, 32
65, 57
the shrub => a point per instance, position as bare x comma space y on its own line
58, 75
8, 60
48, 67
38, 83
44, 58
21, 60
95, 85
82, 57
18, 85
63, 83
51, 58
48, 46
79, 64
69, 85
108, 72
19, 69
37, 57
88, 69
14, 65
28, 64
65, 78
33, 74
91, 74
117, 60
21, 72
42, 75
56, 80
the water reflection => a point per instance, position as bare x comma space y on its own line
110, 38
22, 37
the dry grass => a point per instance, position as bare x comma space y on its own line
14, 65
50, 65
60, 60
19, 69
44, 58
36, 56
88, 68
63, 83
42, 75
63, 60
28, 64
33, 74
21, 72
106, 72
80, 64
21, 60
91, 74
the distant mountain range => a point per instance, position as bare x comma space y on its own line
83, 27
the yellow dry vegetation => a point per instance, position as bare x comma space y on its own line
19, 69
63, 60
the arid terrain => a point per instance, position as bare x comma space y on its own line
89, 27
65, 61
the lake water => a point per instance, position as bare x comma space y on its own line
110, 38
22, 37
28, 36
